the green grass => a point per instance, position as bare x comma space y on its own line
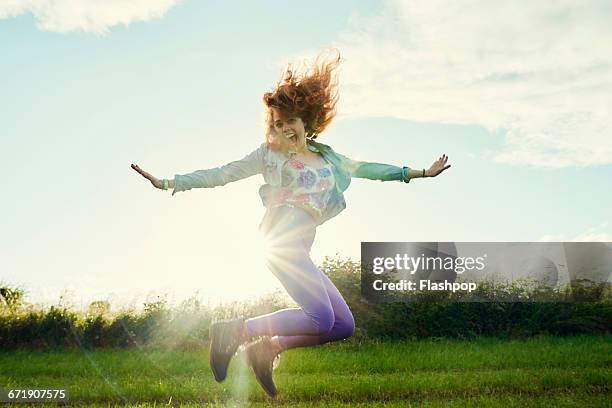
545, 371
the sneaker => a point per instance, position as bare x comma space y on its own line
261, 356
225, 338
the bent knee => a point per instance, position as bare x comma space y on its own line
339, 329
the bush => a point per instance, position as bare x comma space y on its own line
433, 316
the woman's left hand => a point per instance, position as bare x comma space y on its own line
438, 166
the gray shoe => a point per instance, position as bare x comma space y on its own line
261, 356
225, 338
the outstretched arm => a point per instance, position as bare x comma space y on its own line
387, 172
248, 166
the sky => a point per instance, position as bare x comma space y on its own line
517, 94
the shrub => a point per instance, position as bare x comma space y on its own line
431, 316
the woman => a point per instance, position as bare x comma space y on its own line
305, 181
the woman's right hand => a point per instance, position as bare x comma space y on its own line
157, 183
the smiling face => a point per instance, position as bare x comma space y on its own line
288, 131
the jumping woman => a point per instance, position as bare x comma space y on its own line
304, 185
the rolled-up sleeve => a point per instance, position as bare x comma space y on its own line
406, 174
248, 166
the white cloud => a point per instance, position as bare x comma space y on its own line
85, 15
540, 71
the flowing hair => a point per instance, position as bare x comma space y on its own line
310, 94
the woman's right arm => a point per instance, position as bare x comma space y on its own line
248, 166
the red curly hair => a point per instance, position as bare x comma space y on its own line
310, 95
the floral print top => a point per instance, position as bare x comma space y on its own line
306, 187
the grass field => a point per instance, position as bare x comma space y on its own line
545, 371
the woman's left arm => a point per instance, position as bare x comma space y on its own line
388, 172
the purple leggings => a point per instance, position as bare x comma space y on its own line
323, 315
